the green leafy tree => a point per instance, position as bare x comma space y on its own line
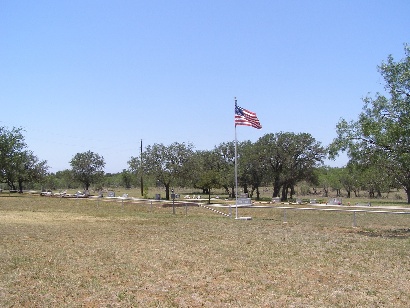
290, 158
18, 164
126, 177
303, 155
168, 164
250, 167
351, 178
29, 169
140, 177
226, 154
111, 180
375, 180
326, 179
65, 179
381, 135
330, 179
87, 168
205, 167
274, 158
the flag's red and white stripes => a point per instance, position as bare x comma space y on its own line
246, 117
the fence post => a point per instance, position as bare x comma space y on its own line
354, 219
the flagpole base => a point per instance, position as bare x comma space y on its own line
244, 218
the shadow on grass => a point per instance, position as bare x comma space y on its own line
399, 233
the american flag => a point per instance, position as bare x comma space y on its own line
246, 117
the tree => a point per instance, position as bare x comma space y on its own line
324, 175
28, 168
274, 157
126, 178
290, 158
168, 164
303, 155
381, 135
250, 167
376, 181
350, 178
17, 163
226, 153
205, 166
66, 179
87, 168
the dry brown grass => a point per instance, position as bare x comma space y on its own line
83, 253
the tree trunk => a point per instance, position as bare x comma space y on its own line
166, 191
371, 193
292, 191
251, 193
285, 192
20, 183
407, 189
276, 188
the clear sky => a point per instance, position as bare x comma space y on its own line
103, 75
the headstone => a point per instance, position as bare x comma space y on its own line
335, 201
244, 201
111, 194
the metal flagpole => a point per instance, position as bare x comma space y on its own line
142, 182
236, 173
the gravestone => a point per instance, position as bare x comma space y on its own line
335, 201
244, 201
111, 194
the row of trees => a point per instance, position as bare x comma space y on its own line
180, 165
281, 160
19, 165
378, 146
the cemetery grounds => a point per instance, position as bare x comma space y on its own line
68, 252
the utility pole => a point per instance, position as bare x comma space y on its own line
142, 183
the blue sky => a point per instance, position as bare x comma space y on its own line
102, 75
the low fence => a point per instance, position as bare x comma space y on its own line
352, 211
353, 215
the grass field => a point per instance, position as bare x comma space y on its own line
57, 252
